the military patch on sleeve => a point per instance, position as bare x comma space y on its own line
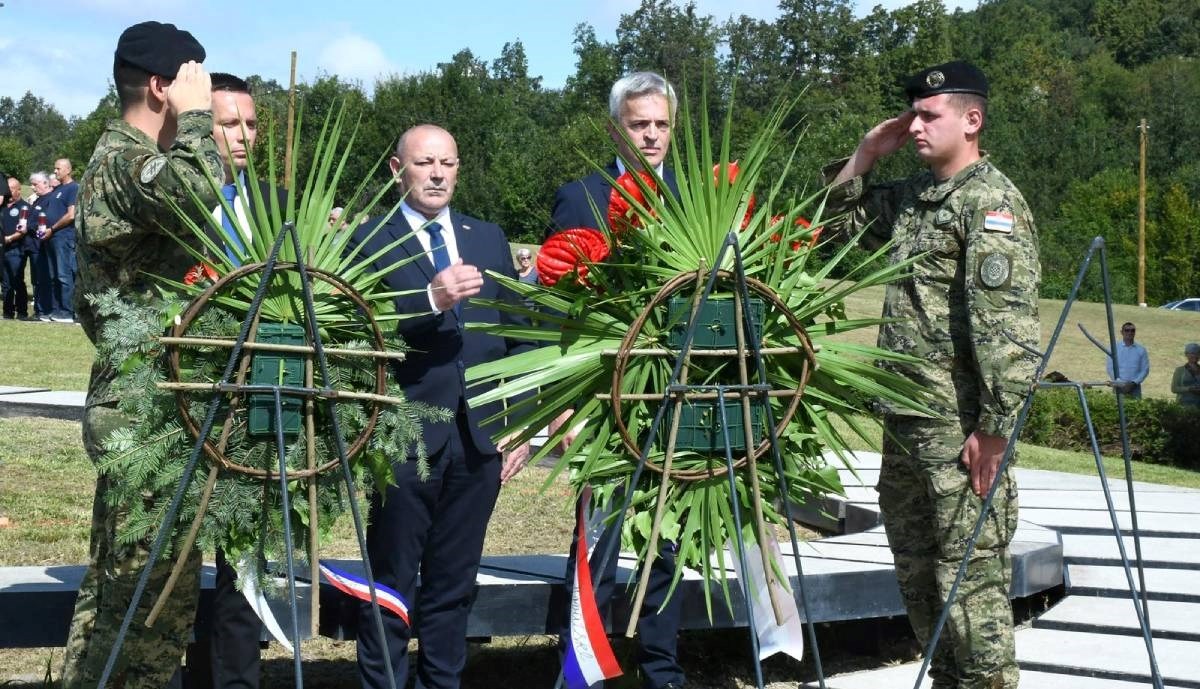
995, 270
152, 167
998, 221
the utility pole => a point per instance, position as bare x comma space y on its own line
1141, 284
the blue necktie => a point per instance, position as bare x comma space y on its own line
437, 244
234, 239
441, 255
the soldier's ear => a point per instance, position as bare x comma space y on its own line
974, 120
157, 88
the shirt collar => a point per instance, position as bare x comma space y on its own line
417, 220
621, 168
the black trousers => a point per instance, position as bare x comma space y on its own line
12, 282
236, 631
658, 632
434, 528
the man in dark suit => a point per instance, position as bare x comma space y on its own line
235, 629
642, 108
435, 527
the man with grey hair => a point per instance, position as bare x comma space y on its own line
642, 107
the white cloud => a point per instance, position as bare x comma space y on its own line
354, 57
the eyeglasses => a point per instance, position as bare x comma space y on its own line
524, 258
1129, 330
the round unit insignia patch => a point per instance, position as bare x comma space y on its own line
152, 167
14, 212
994, 270
935, 79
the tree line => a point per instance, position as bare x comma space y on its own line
1070, 81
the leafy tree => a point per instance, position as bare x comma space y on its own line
15, 160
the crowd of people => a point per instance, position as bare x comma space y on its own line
39, 239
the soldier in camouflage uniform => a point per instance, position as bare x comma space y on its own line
159, 149
973, 282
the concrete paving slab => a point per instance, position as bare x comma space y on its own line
859, 459
1179, 503
1168, 619
1168, 553
1106, 656
1098, 522
1162, 584
903, 676
11, 390
49, 404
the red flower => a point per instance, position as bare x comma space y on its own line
201, 272
796, 243
734, 169
570, 250
621, 215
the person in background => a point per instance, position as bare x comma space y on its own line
1186, 381
1133, 361
15, 223
526, 268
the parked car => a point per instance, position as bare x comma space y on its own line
1189, 304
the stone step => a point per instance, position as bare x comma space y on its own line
1146, 503
1168, 619
1164, 553
1107, 656
1162, 584
1038, 479
16, 402
903, 676
1098, 522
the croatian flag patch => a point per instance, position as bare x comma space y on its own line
996, 221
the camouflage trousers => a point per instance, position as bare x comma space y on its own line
149, 656
929, 511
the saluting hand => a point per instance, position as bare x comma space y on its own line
191, 90
454, 284
888, 136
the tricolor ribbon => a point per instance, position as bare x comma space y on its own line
589, 657
353, 586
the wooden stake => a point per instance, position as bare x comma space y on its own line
291, 126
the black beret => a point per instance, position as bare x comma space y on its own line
951, 77
158, 48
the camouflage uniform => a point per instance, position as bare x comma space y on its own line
975, 277
122, 241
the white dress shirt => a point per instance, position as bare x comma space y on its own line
418, 221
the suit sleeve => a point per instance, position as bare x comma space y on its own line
573, 208
859, 204
1002, 276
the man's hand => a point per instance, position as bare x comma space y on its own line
884, 139
557, 423
454, 284
981, 454
191, 90
514, 458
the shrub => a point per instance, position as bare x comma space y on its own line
1160, 431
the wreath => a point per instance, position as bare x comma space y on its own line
611, 334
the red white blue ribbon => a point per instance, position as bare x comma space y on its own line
589, 657
353, 586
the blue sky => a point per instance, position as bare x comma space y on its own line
64, 53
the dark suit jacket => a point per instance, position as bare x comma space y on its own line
440, 348
571, 207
